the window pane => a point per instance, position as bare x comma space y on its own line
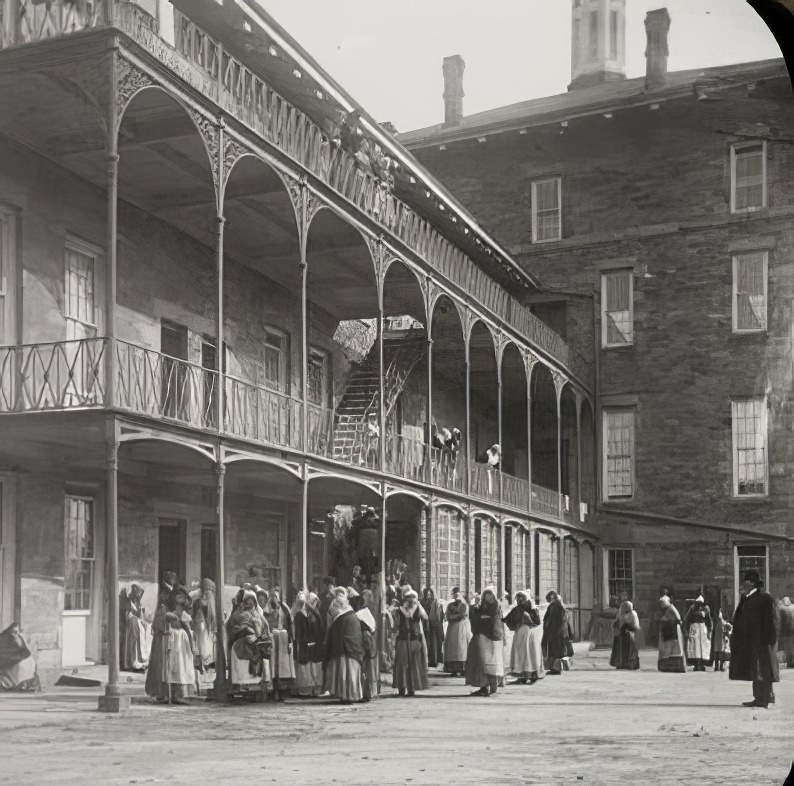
750, 450
617, 311
619, 442
79, 539
79, 296
547, 209
750, 292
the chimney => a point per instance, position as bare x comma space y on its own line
657, 25
453, 89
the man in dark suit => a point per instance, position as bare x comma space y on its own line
754, 640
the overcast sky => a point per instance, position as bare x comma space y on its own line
387, 53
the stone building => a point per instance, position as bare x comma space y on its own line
657, 212
241, 325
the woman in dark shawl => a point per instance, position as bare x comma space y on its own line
249, 637
485, 656
282, 664
410, 654
526, 658
344, 650
434, 627
556, 642
17, 665
308, 645
671, 639
624, 646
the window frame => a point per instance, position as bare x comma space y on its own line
315, 351
283, 385
736, 152
734, 447
735, 293
605, 413
604, 325
737, 573
534, 199
607, 552
77, 246
67, 592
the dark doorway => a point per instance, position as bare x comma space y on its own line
209, 551
171, 548
478, 555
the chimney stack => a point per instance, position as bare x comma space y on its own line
453, 69
657, 26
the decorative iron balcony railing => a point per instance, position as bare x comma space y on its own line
245, 96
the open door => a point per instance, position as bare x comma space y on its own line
8, 573
171, 548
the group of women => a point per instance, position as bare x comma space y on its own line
697, 640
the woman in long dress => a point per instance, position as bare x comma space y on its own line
624, 646
556, 641
308, 645
526, 656
434, 627
137, 632
344, 650
282, 664
369, 666
458, 635
249, 640
171, 676
671, 639
698, 628
720, 641
485, 655
204, 624
410, 654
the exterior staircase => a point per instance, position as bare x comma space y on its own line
402, 351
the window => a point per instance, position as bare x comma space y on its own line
275, 372
593, 35
748, 177
490, 568
546, 210
614, 22
617, 309
452, 549
317, 378
79, 567
79, 293
7, 264
620, 573
618, 438
749, 292
749, 447
751, 558
571, 573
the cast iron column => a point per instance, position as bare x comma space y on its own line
220, 650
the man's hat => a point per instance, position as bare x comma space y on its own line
752, 576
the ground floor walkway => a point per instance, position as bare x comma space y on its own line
591, 725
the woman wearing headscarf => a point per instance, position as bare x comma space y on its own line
282, 665
137, 640
434, 628
624, 646
698, 628
204, 624
344, 650
248, 637
556, 642
17, 664
505, 604
308, 645
369, 666
410, 654
485, 655
458, 634
171, 676
671, 639
526, 656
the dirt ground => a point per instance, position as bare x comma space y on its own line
591, 725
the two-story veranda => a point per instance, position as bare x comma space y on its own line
225, 322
